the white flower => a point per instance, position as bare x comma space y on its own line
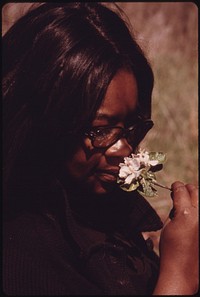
153, 162
130, 178
135, 172
130, 169
144, 159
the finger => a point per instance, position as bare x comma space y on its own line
181, 196
171, 214
193, 191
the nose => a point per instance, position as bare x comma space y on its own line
119, 150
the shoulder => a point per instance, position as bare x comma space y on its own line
37, 259
35, 234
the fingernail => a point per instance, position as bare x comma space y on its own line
180, 188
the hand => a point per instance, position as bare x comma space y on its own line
179, 241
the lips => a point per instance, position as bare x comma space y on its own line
108, 176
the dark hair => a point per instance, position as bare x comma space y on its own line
58, 61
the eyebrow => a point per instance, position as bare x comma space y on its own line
110, 118
104, 116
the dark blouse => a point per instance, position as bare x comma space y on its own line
90, 248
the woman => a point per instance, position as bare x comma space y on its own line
77, 100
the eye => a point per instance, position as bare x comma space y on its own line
101, 132
132, 121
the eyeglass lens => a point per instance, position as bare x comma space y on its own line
109, 135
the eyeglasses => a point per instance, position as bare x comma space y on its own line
106, 136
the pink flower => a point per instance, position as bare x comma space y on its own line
130, 169
136, 172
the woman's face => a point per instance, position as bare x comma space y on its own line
96, 169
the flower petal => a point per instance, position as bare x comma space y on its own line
124, 171
129, 178
153, 162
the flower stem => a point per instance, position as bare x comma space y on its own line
161, 186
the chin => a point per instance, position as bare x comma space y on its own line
96, 186
103, 188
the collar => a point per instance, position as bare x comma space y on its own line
125, 213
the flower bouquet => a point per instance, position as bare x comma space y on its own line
138, 172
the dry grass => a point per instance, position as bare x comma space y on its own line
168, 34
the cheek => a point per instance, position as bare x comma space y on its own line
80, 166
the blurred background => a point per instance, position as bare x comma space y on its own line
168, 34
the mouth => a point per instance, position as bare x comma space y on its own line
107, 176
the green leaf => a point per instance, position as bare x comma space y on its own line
159, 156
151, 175
147, 189
148, 192
129, 187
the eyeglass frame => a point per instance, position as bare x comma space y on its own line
124, 132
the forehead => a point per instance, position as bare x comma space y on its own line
121, 97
